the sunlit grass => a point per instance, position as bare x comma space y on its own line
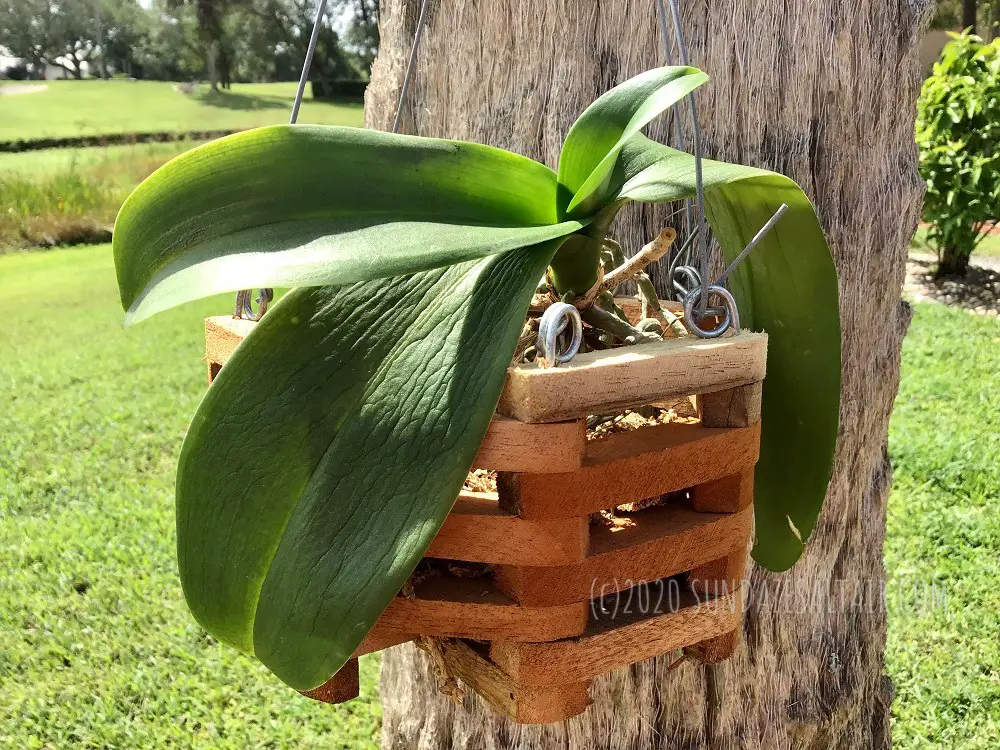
97, 648
943, 540
88, 108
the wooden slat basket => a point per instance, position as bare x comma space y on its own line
569, 594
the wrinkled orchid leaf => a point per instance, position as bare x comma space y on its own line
309, 205
328, 451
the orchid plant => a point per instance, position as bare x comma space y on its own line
328, 452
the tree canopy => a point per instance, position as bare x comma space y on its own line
218, 40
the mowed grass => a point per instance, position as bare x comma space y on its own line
97, 649
48, 161
87, 108
943, 543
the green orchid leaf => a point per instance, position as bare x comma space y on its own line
326, 455
788, 287
314, 205
593, 142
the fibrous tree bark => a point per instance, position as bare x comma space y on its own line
824, 92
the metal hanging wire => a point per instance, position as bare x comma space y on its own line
701, 227
698, 289
244, 305
683, 250
409, 66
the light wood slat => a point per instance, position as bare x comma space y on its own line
453, 607
222, 334
525, 704
664, 541
735, 407
633, 309
612, 642
726, 495
511, 445
607, 381
633, 466
477, 530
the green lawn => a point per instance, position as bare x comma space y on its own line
944, 528
98, 650
49, 161
76, 108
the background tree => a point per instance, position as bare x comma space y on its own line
211, 17
169, 45
62, 33
839, 120
361, 37
982, 16
330, 60
126, 26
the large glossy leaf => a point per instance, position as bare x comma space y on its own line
788, 287
312, 205
593, 142
327, 453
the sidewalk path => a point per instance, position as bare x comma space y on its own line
22, 88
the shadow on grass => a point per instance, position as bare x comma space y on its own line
230, 100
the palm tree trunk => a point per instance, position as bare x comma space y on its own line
824, 92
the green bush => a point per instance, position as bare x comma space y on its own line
958, 134
338, 88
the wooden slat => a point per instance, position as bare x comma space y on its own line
607, 381
664, 541
614, 640
525, 704
717, 649
734, 407
633, 466
477, 530
342, 687
380, 639
633, 309
726, 495
511, 445
723, 576
222, 334
453, 607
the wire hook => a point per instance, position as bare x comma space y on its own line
691, 316
555, 320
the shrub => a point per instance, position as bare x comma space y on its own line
338, 88
958, 130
